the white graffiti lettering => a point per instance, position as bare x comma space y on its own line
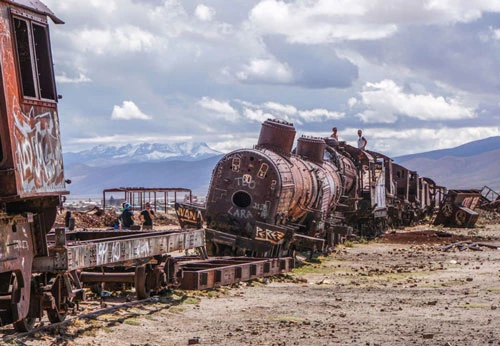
116, 252
101, 253
246, 181
240, 213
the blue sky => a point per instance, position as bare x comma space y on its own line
414, 75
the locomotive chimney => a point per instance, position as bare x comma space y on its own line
311, 148
277, 135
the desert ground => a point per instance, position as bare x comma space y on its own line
400, 289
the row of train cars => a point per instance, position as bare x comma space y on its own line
264, 202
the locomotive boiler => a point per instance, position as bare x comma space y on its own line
261, 200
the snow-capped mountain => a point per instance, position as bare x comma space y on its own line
104, 155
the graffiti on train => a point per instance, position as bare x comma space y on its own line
38, 152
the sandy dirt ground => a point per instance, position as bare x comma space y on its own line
397, 290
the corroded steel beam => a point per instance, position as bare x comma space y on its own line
226, 271
118, 250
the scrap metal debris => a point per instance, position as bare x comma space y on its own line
468, 245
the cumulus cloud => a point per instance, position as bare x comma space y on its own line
318, 115
261, 112
218, 108
265, 70
258, 115
204, 13
495, 32
324, 21
385, 101
116, 41
128, 111
62, 78
394, 142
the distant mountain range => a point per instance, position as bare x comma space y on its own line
468, 166
103, 155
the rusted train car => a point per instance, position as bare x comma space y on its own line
268, 200
41, 274
31, 168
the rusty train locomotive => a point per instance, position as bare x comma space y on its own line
270, 199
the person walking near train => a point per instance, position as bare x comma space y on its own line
147, 216
362, 142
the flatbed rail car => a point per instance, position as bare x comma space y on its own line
57, 280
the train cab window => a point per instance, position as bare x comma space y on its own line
33, 50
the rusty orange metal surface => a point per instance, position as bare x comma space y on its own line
32, 155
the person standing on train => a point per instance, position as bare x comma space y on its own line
147, 216
334, 134
362, 142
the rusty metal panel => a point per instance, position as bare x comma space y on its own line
30, 130
457, 209
16, 251
225, 271
119, 250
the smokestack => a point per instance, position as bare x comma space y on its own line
277, 135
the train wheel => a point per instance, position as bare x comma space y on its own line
62, 301
56, 316
25, 324
460, 217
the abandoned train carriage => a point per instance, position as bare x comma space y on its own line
31, 169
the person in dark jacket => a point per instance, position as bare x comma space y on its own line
147, 216
127, 216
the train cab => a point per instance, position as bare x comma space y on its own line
31, 166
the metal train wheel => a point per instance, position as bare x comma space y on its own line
24, 324
56, 316
460, 217
447, 210
62, 301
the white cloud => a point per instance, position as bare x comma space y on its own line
317, 115
323, 21
128, 111
62, 78
204, 13
257, 115
395, 142
385, 101
495, 32
108, 6
265, 70
221, 109
278, 107
122, 39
